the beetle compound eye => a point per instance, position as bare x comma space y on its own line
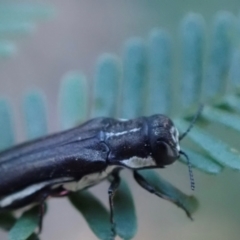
163, 153
161, 146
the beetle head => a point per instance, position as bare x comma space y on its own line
164, 140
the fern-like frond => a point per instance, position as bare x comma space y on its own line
142, 83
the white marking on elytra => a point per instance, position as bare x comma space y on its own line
138, 162
89, 180
111, 134
8, 200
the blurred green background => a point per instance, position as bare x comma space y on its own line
73, 39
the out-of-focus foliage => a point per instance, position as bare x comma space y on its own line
18, 19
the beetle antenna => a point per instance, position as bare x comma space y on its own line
196, 116
189, 170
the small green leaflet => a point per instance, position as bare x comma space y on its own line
25, 225
124, 212
188, 203
216, 148
202, 163
94, 212
6, 220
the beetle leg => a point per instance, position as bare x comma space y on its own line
111, 191
144, 184
42, 208
59, 192
41, 214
